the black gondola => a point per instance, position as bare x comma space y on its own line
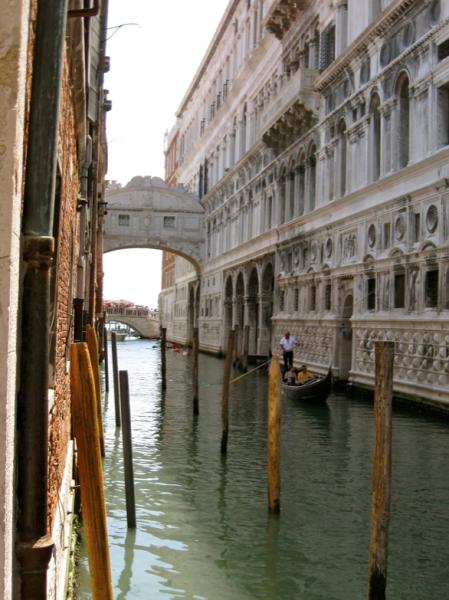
317, 389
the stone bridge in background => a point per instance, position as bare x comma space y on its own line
147, 213
144, 322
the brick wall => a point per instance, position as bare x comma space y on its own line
59, 422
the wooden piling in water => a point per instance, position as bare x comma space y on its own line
381, 477
163, 357
92, 343
274, 436
225, 392
115, 378
125, 412
106, 359
195, 353
245, 348
90, 470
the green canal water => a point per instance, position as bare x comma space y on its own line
203, 531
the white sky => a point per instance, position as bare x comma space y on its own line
152, 65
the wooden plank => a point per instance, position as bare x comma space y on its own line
92, 344
90, 470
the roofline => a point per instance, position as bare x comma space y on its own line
222, 26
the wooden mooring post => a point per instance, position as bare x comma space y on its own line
106, 359
90, 470
163, 357
274, 437
115, 378
225, 392
92, 343
381, 478
125, 412
195, 353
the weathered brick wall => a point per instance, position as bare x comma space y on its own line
60, 420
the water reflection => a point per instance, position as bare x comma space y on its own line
124, 582
203, 529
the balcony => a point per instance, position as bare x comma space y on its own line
293, 108
282, 15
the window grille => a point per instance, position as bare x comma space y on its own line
327, 46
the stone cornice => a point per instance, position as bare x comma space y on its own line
222, 27
378, 29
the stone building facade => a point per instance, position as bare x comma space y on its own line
316, 135
64, 90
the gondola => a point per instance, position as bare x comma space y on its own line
317, 390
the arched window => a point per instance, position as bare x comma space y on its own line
312, 178
342, 147
403, 90
291, 194
232, 153
282, 197
243, 132
375, 137
301, 184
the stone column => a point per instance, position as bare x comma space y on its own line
265, 326
313, 54
341, 27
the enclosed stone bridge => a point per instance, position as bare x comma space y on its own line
147, 213
145, 323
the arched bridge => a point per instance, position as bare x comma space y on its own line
147, 213
144, 323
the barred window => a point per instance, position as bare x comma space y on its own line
327, 46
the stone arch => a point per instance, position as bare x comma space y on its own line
427, 245
147, 213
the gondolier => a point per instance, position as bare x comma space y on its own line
288, 345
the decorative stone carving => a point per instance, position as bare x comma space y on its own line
372, 235
420, 357
399, 227
432, 218
329, 248
349, 246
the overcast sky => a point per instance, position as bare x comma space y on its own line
152, 64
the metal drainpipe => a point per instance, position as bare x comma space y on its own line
97, 141
34, 545
78, 302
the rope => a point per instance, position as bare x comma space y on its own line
248, 373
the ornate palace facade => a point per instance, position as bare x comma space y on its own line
316, 134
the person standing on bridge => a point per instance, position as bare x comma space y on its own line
288, 345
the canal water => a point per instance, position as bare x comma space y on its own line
203, 531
